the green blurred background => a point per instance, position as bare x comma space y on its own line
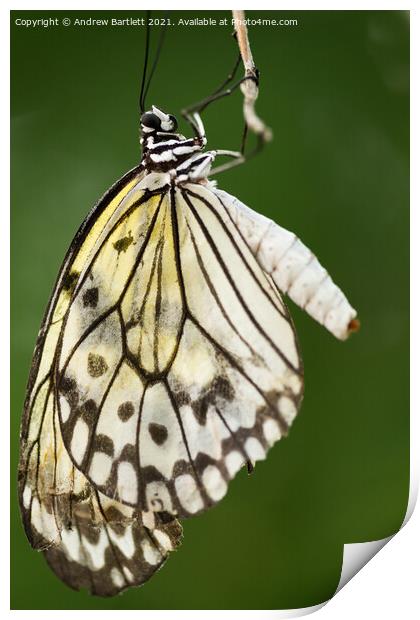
335, 89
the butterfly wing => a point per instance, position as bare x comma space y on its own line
111, 353
186, 366
293, 267
237, 379
89, 540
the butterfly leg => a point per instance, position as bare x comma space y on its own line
199, 106
192, 112
238, 159
200, 133
199, 165
203, 169
220, 92
239, 156
192, 115
195, 167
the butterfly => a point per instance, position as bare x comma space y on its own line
166, 359
165, 362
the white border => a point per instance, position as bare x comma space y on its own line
253, 5
387, 587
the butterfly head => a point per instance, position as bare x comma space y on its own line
157, 121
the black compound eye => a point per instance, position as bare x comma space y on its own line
174, 122
150, 120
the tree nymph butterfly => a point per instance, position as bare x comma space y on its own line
166, 360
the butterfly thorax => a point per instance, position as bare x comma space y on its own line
164, 150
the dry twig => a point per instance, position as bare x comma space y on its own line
249, 87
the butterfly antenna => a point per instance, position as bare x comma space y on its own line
146, 60
157, 56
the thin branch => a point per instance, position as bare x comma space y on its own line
249, 87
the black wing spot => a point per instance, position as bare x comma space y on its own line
220, 388
90, 298
182, 398
88, 411
92, 534
158, 432
125, 411
103, 443
96, 365
68, 387
122, 244
116, 520
70, 281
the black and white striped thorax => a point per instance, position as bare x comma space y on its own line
164, 150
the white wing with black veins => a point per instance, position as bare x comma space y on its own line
293, 267
177, 360
89, 540
166, 361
